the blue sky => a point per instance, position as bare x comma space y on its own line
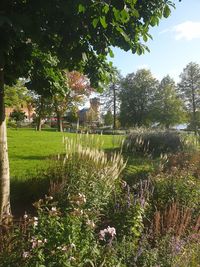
176, 42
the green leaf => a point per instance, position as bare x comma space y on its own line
95, 22
154, 21
106, 9
81, 8
126, 37
145, 38
103, 22
166, 11
116, 13
111, 54
124, 15
139, 50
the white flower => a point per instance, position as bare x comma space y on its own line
64, 248
25, 254
39, 242
54, 209
36, 242
90, 223
111, 231
48, 197
25, 216
102, 234
73, 245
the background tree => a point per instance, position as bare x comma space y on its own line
110, 97
108, 118
43, 107
78, 89
17, 95
189, 88
137, 96
18, 116
168, 107
80, 35
48, 82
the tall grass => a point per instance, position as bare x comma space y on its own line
158, 142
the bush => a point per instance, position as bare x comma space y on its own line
169, 188
66, 229
156, 143
11, 124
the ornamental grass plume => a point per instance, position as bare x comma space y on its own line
107, 168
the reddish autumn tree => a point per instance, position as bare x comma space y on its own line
79, 89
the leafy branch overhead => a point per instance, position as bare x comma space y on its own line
80, 34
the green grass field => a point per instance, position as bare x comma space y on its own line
30, 150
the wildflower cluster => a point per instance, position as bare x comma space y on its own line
107, 234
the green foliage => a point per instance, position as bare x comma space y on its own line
168, 107
137, 96
17, 115
108, 118
64, 232
17, 95
189, 254
157, 142
169, 188
88, 196
189, 90
11, 124
100, 26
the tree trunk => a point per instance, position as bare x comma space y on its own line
39, 123
4, 163
114, 107
194, 110
39, 120
59, 122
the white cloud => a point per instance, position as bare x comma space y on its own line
187, 30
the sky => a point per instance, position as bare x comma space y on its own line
176, 42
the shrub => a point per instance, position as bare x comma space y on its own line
169, 188
54, 238
66, 229
157, 142
11, 124
184, 162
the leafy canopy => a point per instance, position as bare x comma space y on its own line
79, 33
137, 97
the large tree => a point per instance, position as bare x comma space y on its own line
17, 95
79, 34
168, 107
189, 88
137, 96
110, 96
78, 89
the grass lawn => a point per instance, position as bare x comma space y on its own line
29, 149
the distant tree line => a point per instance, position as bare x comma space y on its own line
145, 101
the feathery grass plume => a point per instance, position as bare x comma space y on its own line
85, 168
156, 142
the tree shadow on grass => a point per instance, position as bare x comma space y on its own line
30, 157
25, 192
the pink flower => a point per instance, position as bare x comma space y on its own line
110, 231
